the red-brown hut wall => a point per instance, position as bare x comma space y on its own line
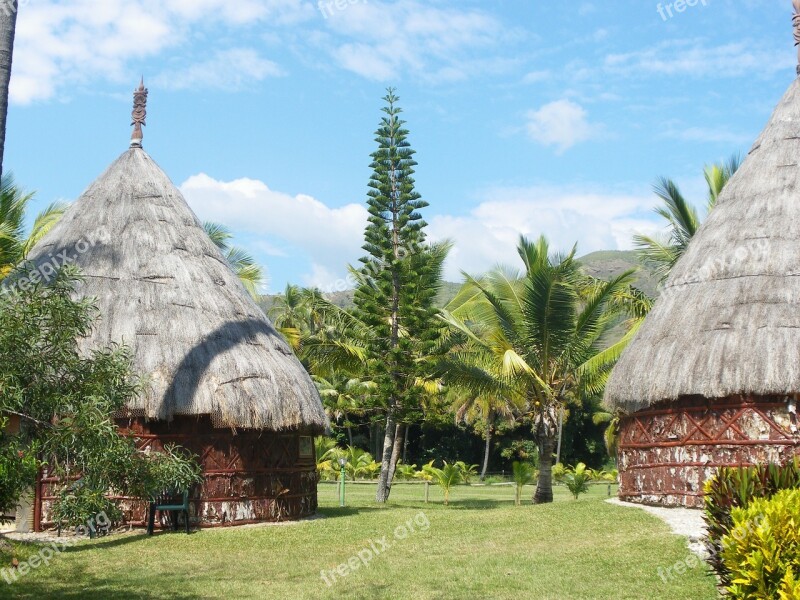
250, 476
668, 451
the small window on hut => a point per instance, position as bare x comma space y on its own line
306, 447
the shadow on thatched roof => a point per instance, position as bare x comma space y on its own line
163, 288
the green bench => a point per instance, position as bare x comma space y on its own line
165, 502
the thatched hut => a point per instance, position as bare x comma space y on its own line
712, 377
219, 380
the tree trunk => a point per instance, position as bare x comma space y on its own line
544, 487
486, 452
399, 436
405, 445
350, 434
8, 26
384, 483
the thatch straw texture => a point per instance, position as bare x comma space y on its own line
728, 320
163, 288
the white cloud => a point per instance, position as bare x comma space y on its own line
694, 58
226, 70
488, 235
299, 226
382, 40
562, 124
322, 240
63, 44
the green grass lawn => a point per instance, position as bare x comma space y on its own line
481, 546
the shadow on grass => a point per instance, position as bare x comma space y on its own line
123, 539
347, 511
89, 589
476, 504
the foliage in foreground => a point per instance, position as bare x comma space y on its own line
522, 473
448, 476
733, 488
762, 551
577, 480
64, 399
14, 242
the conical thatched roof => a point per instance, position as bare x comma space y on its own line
728, 319
165, 290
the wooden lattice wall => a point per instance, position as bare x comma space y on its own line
668, 451
250, 476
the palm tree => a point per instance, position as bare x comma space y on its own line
522, 473
343, 397
661, 252
446, 477
8, 27
243, 264
299, 313
539, 328
15, 243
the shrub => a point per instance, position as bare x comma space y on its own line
734, 488
425, 472
468, 472
446, 477
405, 472
762, 551
522, 473
577, 480
359, 465
559, 471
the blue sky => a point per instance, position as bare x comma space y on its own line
528, 116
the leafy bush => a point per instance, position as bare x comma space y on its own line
446, 477
405, 472
577, 480
359, 465
734, 488
559, 472
603, 475
468, 472
66, 400
522, 473
762, 551
172, 469
80, 505
425, 472
18, 468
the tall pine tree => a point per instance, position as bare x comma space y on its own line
397, 286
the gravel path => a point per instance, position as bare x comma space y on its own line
687, 522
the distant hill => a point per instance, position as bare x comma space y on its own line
606, 264
602, 265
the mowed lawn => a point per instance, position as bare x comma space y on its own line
481, 546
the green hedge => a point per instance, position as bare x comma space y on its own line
733, 488
762, 551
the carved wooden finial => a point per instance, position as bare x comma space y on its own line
796, 23
139, 114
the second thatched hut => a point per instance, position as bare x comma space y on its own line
712, 378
